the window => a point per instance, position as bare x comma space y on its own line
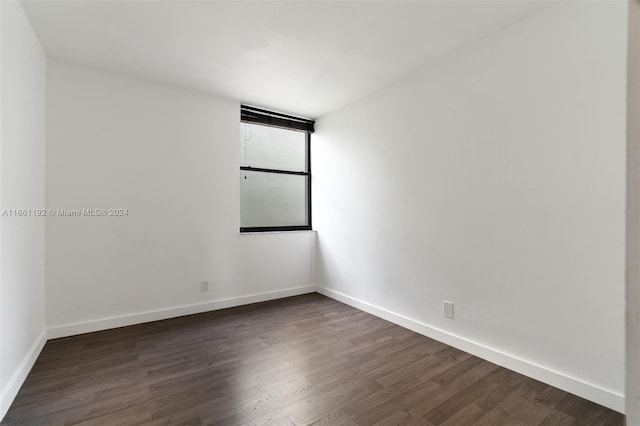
275, 171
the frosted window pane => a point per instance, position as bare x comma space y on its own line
272, 148
268, 199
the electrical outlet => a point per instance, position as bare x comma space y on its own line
447, 309
204, 286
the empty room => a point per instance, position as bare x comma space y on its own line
320, 212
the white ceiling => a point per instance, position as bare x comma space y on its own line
305, 58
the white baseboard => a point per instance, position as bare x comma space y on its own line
160, 314
15, 382
589, 391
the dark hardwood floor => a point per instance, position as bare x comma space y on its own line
301, 360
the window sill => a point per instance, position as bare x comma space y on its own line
278, 232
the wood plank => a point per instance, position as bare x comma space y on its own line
301, 360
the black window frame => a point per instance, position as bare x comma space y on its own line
263, 117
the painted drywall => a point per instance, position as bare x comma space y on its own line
302, 57
633, 220
22, 186
171, 159
494, 179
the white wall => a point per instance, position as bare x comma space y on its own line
495, 179
22, 173
171, 157
633, 220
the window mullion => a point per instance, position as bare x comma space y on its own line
279, 171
